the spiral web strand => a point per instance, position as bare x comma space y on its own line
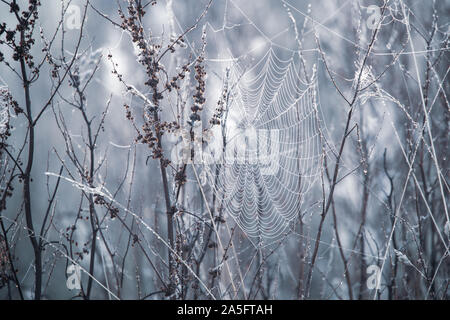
273, 146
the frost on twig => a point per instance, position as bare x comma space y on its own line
103, 192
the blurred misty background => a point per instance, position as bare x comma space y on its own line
105, 104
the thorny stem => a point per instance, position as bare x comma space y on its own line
169, 210
27, 180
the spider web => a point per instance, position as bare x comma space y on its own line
267, 152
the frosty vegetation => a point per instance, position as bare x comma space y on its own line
227, 149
